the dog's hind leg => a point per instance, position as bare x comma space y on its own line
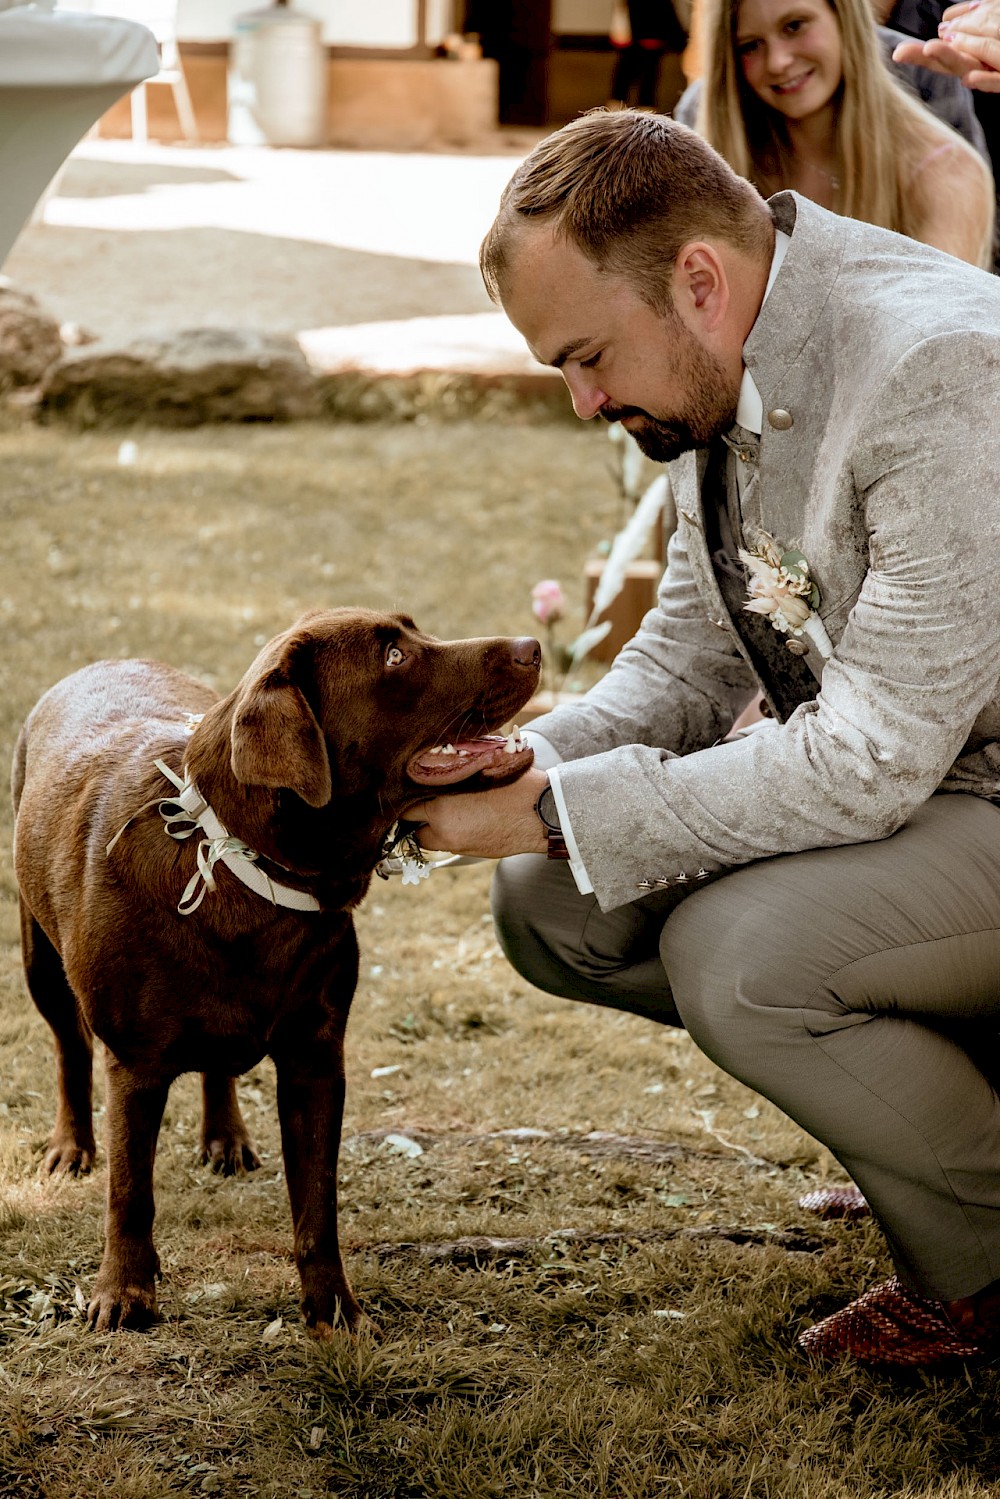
71, 1146
225, 1140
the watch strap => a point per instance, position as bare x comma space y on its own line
548, 816
556, 845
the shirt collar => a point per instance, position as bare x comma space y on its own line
750, 407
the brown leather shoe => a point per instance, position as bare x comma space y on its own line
890, 1325
836, 1202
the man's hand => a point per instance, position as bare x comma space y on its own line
488, 824
968, 46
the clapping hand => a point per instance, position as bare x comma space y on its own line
967, 46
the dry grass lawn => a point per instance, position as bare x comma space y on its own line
633, 1337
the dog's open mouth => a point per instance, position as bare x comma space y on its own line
493, 757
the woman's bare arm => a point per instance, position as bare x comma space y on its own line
953, 196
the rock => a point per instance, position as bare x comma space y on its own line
182, 380
29, 341
358, 395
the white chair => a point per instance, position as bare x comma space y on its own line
160, 16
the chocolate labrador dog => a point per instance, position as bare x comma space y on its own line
187, 867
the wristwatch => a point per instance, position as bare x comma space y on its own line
548, 815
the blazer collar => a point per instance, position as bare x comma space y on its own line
800, 292
750, 408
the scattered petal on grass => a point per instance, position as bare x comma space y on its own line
497, 1327
40, 1305
316, 1438
386, 1071
403, 1145
272, 1330
210, 1292
669, 1314
656, 1088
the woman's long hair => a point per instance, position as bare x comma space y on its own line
883, 133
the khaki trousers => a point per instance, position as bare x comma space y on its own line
858, 988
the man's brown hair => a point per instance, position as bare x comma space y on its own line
628, 189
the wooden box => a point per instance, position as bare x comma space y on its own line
638, 595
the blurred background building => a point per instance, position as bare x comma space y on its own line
398, 74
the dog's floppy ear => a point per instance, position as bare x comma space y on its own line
275, 738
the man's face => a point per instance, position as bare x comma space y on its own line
621, 360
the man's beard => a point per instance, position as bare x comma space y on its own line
711, 409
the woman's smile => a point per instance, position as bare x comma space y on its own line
793, 85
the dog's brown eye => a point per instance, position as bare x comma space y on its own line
394, 656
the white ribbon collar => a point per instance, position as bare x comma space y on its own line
182, 815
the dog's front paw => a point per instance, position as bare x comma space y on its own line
125, 1294
112, 1307
232, 1155
67, 1156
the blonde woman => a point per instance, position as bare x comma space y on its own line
796, 95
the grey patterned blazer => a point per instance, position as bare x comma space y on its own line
886, 354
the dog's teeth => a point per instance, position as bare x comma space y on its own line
510, 745
448, 749
436, 750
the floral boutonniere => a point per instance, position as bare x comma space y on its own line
402, 854
781, 589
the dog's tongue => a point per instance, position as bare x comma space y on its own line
491, 756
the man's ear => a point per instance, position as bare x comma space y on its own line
275, 739
701, 286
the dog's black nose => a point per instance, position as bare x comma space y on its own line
527, 652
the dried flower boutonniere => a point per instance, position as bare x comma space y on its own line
781, 589
402, 854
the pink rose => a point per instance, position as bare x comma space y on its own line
547, 601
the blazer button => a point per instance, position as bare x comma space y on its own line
779, 419
644, 885
797, 647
